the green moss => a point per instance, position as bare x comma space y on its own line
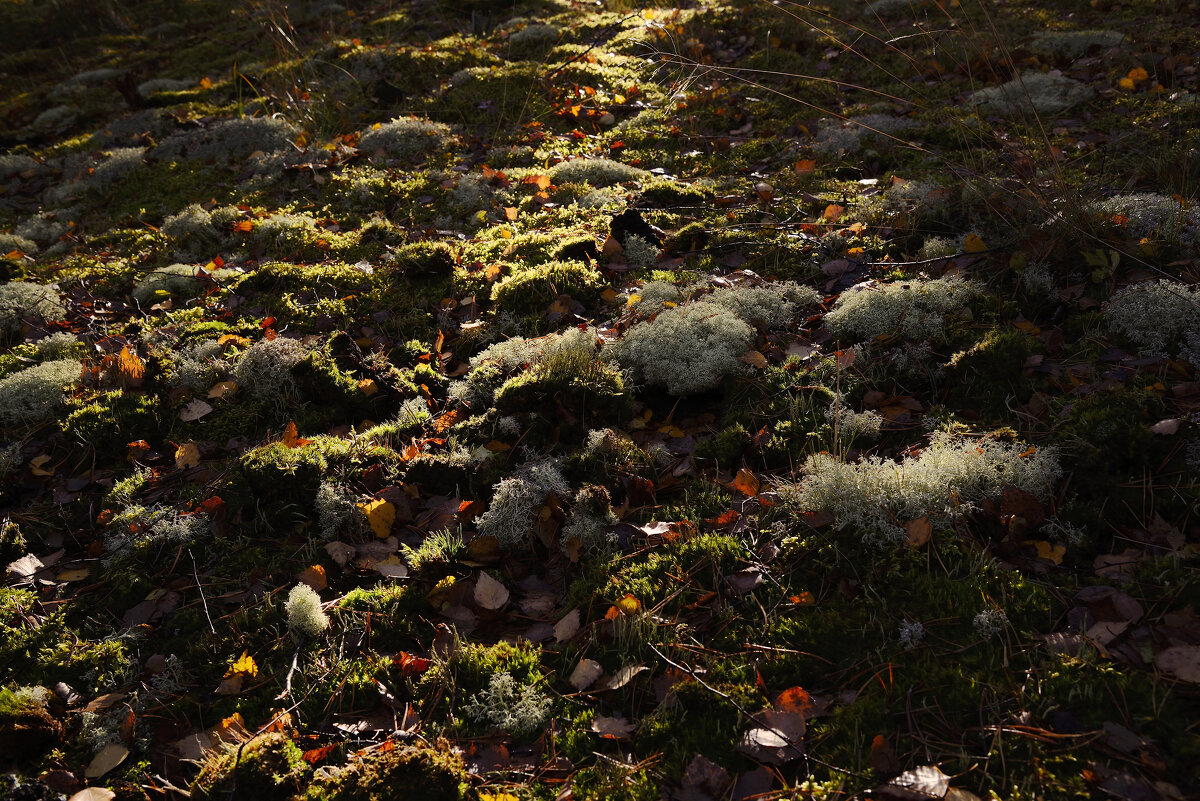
534, 289
113, 419
991, 371
615, 782
283, 475
393, 610
270, 767
726, 448
472, 665
695, 720
405, 773
1112, 428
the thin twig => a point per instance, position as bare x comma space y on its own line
196, 575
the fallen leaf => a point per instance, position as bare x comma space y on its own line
833, 212
292, 438
380, 515
314, 577
37, 465
194, 411
754, 359
568, 627
884, 758
489, 593
621, 677
745, 482
109, 757
93, 794
745, 581
223, 388
1166, 427
918, 531
187, 456
585, 674
974, 244
130, 369
927, 780
612, 728
1181, 661
340, 552
391, 567
779, 740
73, 574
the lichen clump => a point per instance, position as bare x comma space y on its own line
1032, 92
304, 614
1157, 316
34, 393
947, 479
912, 309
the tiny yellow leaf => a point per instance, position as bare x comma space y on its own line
974, 244
244, 666
222, 389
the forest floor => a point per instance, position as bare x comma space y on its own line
599, 400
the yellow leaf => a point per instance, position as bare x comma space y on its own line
510, 213
1126, 84
187, 456
233, 339
629, 604
244, 666
206, 83
222, 389
368, 387
974, 244
1050, 552
380, 514
1138, 74
36, 465
745, 482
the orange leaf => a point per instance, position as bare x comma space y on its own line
805, 166
292, 439
206, 83
833, 212
130, 369
315, 755
410, 665
797, 700
243, 226
974, 244
411, 452
314, 577
745, 482
510, 213
443, 423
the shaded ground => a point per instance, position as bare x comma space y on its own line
547, 400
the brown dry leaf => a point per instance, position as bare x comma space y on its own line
833, 212
1166, 427
489, 593
391, 567
568, 627
314, 577
918, 531
194, 411
93, 794
340, 552
585, 674
292, 438
1181, 661
109, 757
368, 386
73, 574
754, 359
621, 677
187, 456
778, 741
612, 728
